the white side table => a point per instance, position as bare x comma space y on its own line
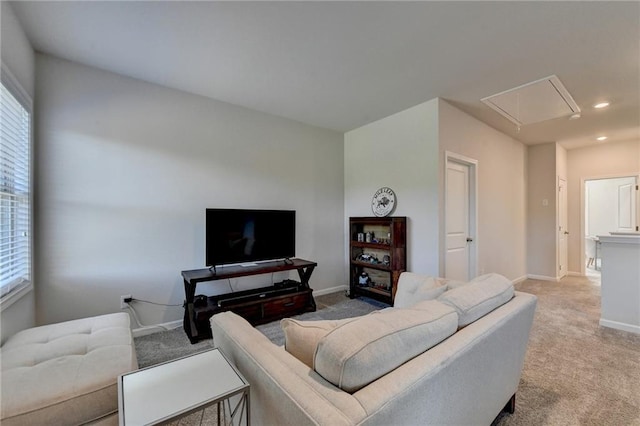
180, 387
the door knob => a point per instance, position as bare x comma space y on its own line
566, 233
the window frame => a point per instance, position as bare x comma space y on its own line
12, 84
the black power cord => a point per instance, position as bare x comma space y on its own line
132, 299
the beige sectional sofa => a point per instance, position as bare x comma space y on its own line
451, 355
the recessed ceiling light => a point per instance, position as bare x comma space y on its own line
601, 105
602, 138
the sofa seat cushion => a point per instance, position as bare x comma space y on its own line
301, 337
356, 353
66, 373
477, 298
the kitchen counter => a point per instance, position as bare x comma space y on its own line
620, 302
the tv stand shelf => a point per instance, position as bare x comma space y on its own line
258, 305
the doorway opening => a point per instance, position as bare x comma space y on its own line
610, 206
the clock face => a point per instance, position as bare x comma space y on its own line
383, 202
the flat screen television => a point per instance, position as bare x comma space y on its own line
248, 236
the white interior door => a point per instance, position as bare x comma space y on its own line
563, 232
458, 232
627, 207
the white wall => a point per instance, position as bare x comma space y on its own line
19, 58
502, 215
597, 161
406, 152
542, 211
126, 170
400, 152
17, 53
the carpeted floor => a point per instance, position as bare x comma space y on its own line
575, 372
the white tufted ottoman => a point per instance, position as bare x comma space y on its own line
66, 373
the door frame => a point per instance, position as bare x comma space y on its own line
583, 180
564, 272
473, 209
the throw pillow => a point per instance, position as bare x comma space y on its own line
479, 297
301, 337
358, 352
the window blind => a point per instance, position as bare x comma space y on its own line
15, 192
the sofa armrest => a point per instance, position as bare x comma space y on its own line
283, 389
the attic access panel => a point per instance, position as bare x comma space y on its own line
541, 100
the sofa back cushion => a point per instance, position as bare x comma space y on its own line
480, 296
301, 337
414, 288
356, 353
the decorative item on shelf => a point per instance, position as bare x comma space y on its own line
380, 286
363, 279
383, 202
369, 237
360, 237
386, 260
367, 258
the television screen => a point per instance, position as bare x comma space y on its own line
243, 236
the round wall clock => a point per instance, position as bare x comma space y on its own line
383, 202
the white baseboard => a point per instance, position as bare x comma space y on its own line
575, 274
620, 326
150, 329
330, 290
543, 278
520, 279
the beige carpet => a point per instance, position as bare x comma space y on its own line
576, 372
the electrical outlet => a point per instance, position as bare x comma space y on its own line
123, 304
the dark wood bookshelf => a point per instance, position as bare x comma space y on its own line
388, 237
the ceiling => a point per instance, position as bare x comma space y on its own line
340, 65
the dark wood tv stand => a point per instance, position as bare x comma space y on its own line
258, 305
